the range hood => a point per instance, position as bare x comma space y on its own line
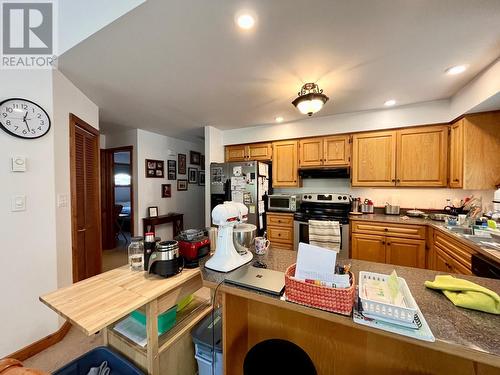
340, 172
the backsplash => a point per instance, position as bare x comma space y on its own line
425, 198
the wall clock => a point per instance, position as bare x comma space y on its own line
24, 119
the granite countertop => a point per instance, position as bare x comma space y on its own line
439, 225
472, 332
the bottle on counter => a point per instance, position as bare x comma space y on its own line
136, 254
149, 247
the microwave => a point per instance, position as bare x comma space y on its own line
283, 202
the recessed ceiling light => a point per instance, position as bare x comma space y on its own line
245, 21
390, 103
456, 69
279, 119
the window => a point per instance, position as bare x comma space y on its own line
122, 179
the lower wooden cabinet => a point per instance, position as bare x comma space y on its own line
368, 247
280, 230
451, 255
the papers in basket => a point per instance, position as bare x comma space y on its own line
316, 264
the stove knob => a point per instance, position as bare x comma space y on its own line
344, 198
339, 198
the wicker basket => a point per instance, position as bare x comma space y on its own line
338, 300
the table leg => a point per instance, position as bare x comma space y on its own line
153, 360
105, 336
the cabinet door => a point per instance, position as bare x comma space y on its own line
311, 152
285, 159
422, 155
280, 234
457, 154
374, 159
236, 153
441, 261
259, 151
368, 247
405, 252
336, 150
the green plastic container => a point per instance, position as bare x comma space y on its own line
165, 321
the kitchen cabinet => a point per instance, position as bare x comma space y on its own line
324, 151
374, 159
402, 245
285, 160
422, 156
474, 164
253, 151
280, 229
453, 254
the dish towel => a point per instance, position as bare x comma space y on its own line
466, 294
325, 234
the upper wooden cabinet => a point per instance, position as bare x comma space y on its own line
324, 151
422, 156
374, 159
285, 157
254, 151
474, 144
408, 157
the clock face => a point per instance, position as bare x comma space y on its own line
23, 118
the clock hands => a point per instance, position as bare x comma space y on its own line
25, 121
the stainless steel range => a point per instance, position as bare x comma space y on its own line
323, 206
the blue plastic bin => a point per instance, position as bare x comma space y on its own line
82, 365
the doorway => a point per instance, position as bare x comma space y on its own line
117, 204
85, 200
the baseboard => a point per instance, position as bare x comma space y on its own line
42, 344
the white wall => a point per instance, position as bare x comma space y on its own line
214, 153
190, 203
28, 248
67, 98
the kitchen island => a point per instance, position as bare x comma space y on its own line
467, 342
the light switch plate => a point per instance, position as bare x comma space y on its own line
18, 164
62, 200
18, 203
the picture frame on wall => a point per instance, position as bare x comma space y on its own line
182, 185
193, 175
182, 162
201, 178
194, 157
154, 168
171, 170
166, 190
202, 161
153, 211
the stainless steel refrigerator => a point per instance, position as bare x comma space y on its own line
246, 182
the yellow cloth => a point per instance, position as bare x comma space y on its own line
466, 294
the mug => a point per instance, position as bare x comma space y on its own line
261, 245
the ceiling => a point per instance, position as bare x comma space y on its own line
173, 67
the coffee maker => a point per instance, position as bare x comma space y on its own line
165, 260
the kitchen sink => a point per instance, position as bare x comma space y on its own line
461, 230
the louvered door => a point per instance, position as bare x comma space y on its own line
85, 200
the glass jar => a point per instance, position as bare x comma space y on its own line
136, 254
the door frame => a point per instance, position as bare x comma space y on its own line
132, 201
75, 121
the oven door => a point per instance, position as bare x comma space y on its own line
301, 234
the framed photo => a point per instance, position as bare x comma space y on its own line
193, 175
201, 178
181, 160
154, 168
202, 161
153, 211
166, 191
182, 185
171, 170
194, 158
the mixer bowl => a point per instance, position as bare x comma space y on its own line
244, 237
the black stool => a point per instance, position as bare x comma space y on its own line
277, 356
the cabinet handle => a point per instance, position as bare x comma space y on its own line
398, 180
393, 180
455, 179
383, 242
279, 234
388, 243
386, 229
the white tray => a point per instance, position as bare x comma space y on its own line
387, 311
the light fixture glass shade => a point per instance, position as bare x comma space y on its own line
310, 100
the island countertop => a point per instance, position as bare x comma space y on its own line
465, 333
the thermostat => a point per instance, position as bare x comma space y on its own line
18, 164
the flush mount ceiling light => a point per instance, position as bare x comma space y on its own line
245, 21
390, 103
456, 69
310, 100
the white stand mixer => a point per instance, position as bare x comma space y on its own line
226, 257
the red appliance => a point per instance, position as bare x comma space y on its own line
192, 251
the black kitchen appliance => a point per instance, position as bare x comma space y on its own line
485, 267
165, 260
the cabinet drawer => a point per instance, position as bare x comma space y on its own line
394, 230
280, 234
459, 252
282, 245
280, 220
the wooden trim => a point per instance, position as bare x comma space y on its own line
42, 344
